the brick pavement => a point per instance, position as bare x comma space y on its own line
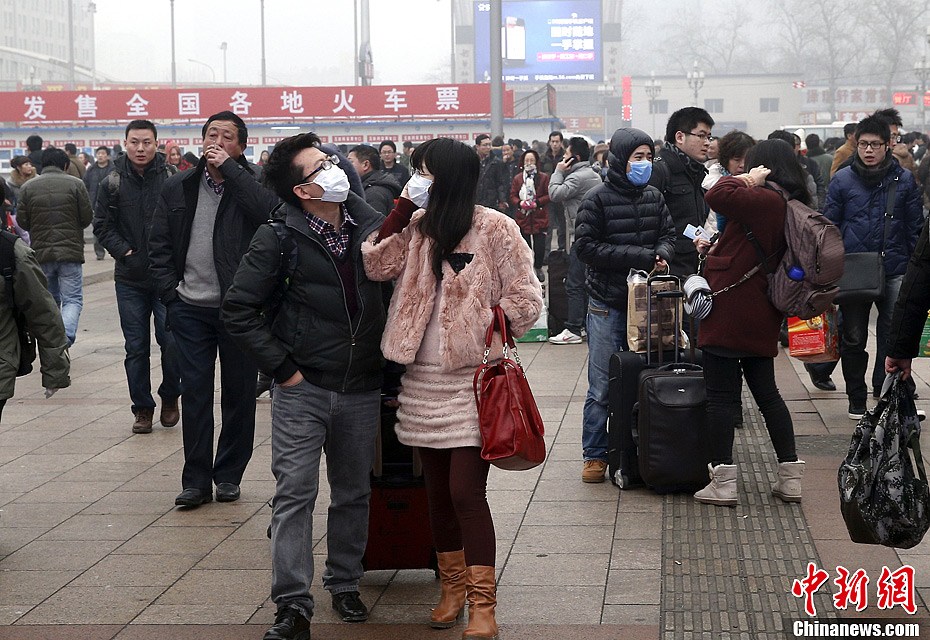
91, 545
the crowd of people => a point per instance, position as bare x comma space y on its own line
374, 255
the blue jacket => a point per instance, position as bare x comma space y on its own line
858, 210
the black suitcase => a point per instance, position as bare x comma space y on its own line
399, 534
622, 392
558, 300
671, 421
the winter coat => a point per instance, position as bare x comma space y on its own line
859, 211
743, 320
531, 220
312, 331
43, 320
680, 184
621, 226
571, 187
55, 208
910, 310
824, 161
123, 222
76, 167
96, 173
500, 272
841, 155
244, 206
381, 189
492, 184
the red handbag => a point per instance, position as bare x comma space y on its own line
509, 421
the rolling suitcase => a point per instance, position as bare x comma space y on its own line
671, 421
399, 535
558, 299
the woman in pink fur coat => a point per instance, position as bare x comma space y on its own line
452, 261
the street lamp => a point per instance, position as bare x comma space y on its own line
606, 90
174, 68
263, 41
212, 73
92, 10
922, 71
223, 47
695, 81
653, 89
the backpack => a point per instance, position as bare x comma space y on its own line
804, 283
27, 342
287, 247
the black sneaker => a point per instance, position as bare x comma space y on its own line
350, 606
289, 624
856, 411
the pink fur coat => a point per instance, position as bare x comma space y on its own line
500, 272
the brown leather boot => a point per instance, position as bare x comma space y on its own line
170, 413
143, 423
481, 593
452, 601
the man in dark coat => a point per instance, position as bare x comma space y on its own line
323, 347
203, 223
492, 192
123, 214
622, 224
381, 188
677, 172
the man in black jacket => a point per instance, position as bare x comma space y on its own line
380, 187
677, 172
492, 192
123, 212
204, 221
322, 345
92, 178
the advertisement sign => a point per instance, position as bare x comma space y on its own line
250, 103
547, 41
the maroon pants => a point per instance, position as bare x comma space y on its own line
456, 484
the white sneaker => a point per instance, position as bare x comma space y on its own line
566, 337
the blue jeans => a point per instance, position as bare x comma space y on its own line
66, 284
855, 334
307, 420
200, 334
606, 336
136, 307
576, 294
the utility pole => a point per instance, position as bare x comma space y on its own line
174, 68
497, 71
263, 42
71, 77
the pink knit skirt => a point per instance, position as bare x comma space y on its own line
437, 409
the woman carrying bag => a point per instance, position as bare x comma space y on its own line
741, 332
529, 197
453, 262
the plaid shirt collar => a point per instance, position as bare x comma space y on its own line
336, 242
217, 187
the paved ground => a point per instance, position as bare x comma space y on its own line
92, 547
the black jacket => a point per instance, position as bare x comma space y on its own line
93, 176
123, 223
491, 188
680, 184
244, 206
380, 190
621, 226
312, 331
910, 310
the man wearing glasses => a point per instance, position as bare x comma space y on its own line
203, 223
856, 202
323, 347
677, 172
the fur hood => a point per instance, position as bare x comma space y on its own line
496, 268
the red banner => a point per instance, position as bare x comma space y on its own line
264, 103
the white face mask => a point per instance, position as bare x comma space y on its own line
335, 184
418, 189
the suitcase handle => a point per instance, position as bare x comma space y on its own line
676, 293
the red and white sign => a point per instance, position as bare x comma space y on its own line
251, 103
8, 144
102, 143
626, 95
61, 143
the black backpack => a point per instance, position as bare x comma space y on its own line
27, 342
288, 250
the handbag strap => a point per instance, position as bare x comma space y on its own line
889, 212
499, 322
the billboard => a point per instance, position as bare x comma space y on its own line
542, 41
264, 103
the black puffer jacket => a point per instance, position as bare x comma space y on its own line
381, 188
123, 222
244, 206
312, 331
621, 226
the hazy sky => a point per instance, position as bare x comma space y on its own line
307, 42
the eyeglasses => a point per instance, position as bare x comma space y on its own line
328, 163
705, 137
863, 144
